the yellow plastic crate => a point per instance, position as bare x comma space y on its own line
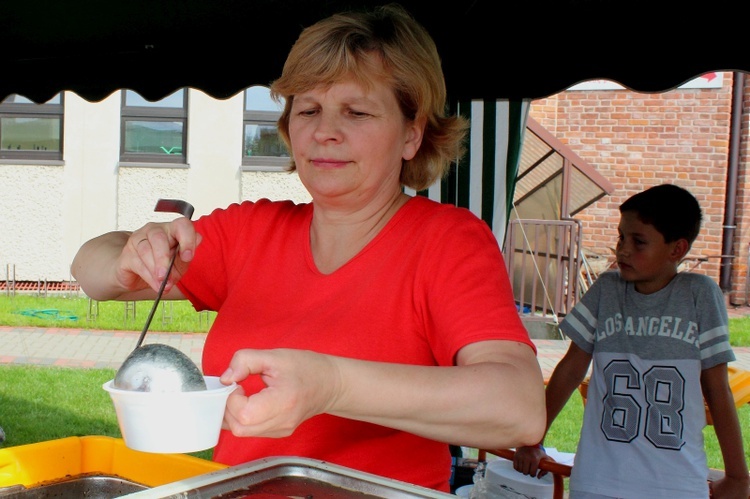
33, 464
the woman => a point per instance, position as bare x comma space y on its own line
366, 328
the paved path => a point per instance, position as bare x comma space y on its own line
85, 348
108, 349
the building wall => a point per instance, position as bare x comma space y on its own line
635, 140
639, 140
48, 210
53, 208
741, 266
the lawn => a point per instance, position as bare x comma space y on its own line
41, 403
739, 331
45, 403
79, 312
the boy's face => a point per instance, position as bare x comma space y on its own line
644, 258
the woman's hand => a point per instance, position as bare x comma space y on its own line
144, 261
131, 266
493, 399
298, 385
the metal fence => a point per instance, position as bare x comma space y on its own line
545, 265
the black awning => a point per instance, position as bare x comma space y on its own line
490, 48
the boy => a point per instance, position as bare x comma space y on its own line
659, 344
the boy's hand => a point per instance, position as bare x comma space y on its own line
526, 460
728, 487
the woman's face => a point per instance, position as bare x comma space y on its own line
349, 142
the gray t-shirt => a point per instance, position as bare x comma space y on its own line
642, 434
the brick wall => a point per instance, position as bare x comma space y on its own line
740, 280
639, 140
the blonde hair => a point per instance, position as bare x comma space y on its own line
386, 43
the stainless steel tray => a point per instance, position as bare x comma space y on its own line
89, 486
290, 477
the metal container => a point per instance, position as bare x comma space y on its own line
95, 467
92, 487
288, 477
104, 468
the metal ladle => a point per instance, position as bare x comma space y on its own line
157, 367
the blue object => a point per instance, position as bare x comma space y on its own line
526, 309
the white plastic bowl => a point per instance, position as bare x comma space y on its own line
504, 481
464, 490
167, 423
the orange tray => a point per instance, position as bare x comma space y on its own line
42, 462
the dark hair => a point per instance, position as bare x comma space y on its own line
672, 210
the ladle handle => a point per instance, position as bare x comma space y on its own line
171, 206
156, 301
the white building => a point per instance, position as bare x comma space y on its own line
51, 204
71, 169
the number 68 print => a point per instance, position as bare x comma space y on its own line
664, 390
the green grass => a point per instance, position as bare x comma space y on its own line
45, 403
739, 331
176, 316
80, 312
41, 403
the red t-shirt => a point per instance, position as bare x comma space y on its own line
432, 281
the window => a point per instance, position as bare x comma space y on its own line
29, 130
154, 131
262, 146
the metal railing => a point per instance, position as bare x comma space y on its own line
544, 261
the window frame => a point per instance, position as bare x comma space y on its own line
261, 118
33, 110
154, 114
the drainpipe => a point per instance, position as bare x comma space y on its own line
730, 203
